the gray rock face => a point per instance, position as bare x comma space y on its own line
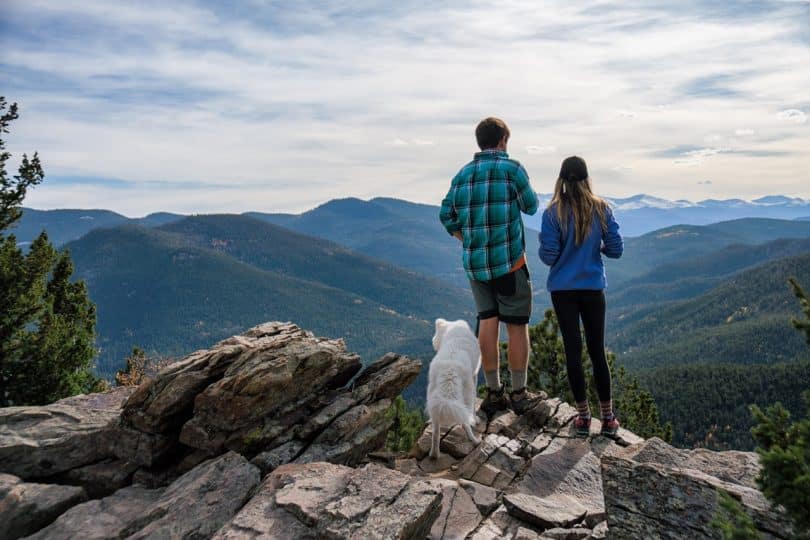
653, 499
102, 519
732, 466
273, 387
194, 506
37, 442
26, 507
321, 500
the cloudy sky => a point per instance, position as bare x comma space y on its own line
207, 106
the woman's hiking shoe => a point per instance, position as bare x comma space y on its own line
610, 427
582, 426
495, 401
522, 401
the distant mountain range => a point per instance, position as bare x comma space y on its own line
637, 215
687, 303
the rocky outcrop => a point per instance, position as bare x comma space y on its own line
273, 434
38, 442
653, 490
276, 390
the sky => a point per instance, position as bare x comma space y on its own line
205, 106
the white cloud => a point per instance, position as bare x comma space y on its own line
743, 132
535, 149
792, 115
274, 94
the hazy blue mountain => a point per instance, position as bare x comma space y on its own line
65, 225
62, 225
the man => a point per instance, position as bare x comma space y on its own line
482, 209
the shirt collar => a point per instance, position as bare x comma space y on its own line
490, 153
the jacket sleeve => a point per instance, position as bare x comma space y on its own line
447, 214
549, 238
526, 197
613, 244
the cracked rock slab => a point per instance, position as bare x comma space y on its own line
323, 500
545, 512
28, 507
102, 519
37, 442
459, 516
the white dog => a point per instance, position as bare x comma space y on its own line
452, 380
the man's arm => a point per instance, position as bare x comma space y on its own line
448, 215
526, 197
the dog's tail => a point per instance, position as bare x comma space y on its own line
446, 406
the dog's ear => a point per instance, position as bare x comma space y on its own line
441, 324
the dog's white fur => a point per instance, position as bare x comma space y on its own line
452, 380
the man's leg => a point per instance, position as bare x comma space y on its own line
488, 343
518, 354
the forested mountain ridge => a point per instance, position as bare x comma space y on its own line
274, 248
744, 320
158, 290
708, 404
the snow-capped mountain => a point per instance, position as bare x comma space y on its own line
643, 213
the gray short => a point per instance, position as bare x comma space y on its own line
508, 297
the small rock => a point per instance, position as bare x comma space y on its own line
600, 532
557, 533
101, 479
485, 498
272, 459
545, 512
459, 516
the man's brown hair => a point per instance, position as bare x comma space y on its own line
490, 131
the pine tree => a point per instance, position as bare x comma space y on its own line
804, 302
47, 322
407, 425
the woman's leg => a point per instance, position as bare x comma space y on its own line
593, 320
566, 307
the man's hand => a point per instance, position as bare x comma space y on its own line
457, 234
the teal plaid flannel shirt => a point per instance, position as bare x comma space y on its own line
485, 200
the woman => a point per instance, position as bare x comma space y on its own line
578, 228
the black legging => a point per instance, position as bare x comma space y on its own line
590, 305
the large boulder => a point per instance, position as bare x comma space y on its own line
274, 392
322, 500
27, 507
38, 442
195, 505
655, 491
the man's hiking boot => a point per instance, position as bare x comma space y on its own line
610, 427
582, 426
495, 401
523, 400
